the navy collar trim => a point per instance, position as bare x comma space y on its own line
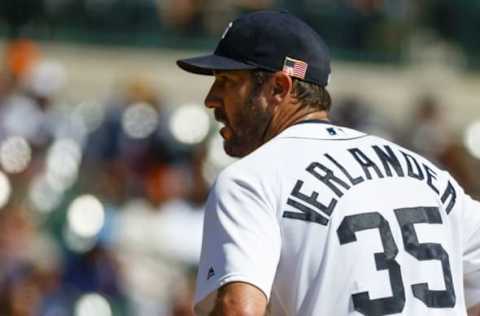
314, 121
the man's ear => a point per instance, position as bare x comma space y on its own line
281, 87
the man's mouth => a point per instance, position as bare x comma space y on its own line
225, 131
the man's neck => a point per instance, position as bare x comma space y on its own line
291, 115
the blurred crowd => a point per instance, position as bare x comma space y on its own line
101, 201
358, 29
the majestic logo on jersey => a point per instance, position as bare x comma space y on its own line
210, 273
339, 179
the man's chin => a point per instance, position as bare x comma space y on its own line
235, 150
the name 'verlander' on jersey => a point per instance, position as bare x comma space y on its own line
339, 179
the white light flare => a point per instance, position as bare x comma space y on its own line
5, 189
92, 304
91, 114
216, 154
77, 243
72, 127
472, 139
15, 154
216, 159
86, 216
63, 162
47, 78
190, 124
139, 120
42, 196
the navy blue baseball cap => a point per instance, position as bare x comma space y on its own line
268, 40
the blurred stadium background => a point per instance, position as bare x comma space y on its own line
107, 154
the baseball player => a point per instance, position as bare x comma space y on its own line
318, 219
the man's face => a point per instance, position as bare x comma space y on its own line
242, 109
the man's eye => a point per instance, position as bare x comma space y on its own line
221, 79
226, 80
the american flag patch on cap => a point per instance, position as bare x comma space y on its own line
295, 68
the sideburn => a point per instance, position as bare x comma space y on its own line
254, 119
259, 119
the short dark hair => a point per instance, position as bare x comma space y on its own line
308, 94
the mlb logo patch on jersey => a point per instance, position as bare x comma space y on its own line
331, 131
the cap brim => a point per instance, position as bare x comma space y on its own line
205, 65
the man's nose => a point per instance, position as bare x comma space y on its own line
213, 99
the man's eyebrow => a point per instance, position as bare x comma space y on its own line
219, 73
224, 75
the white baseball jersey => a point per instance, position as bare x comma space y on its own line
326, 220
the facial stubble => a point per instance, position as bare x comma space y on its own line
253, 120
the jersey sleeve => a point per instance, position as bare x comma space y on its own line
471, 253
241, 239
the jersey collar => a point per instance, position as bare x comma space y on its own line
319, 129
313, 121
